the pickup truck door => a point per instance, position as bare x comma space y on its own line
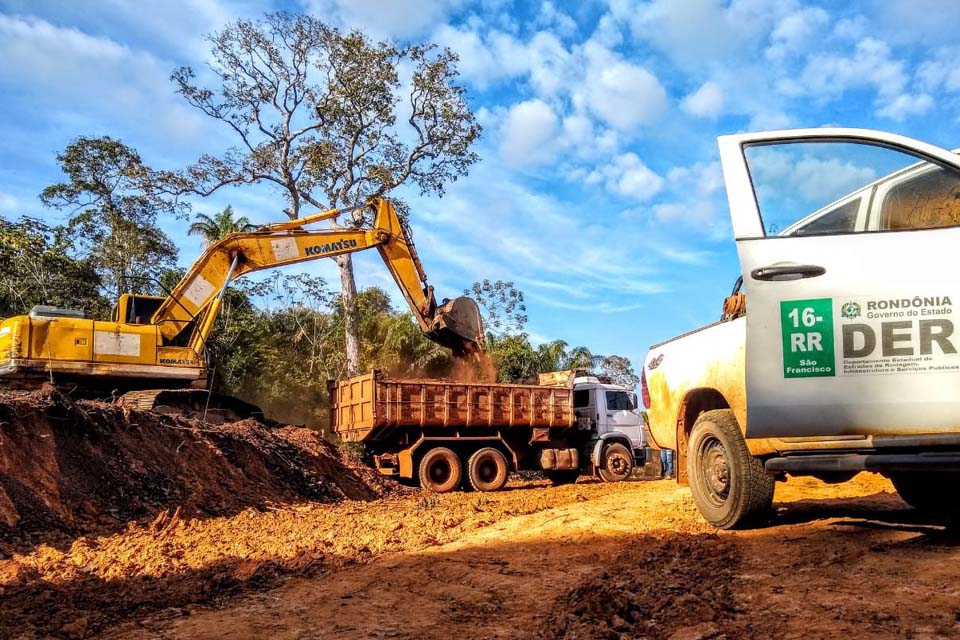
852, 322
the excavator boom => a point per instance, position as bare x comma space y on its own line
456, 324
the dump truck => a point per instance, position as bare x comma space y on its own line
446, 434
152, 352
837, 351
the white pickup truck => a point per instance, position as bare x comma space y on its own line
847, 360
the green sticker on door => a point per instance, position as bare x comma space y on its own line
807, 327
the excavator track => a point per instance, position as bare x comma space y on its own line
213, 408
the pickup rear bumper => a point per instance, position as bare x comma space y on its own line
853, 462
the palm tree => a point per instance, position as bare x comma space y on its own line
220, 225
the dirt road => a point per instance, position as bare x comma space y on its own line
600, 561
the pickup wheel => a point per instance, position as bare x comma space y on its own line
729, 485
440, 470
567, 476
616, 463
931, 493
487, 469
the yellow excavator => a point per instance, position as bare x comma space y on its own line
151, 354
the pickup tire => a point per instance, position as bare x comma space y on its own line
931, 493
729, 485
616, 463
487, 469
567, 476
440, 470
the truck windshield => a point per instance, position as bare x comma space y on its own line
620, 401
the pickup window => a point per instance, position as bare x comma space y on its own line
819, 188
843, 219
930, 199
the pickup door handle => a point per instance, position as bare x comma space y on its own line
787, 272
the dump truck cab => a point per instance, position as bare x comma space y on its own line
611, 412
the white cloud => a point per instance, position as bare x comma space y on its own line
622, 94
706, 102
694, 31
8, 204
692, 213
795, 31
870, 65
694, 195
906, 105
910, 22
477, 61
769, 121
85, 74
628, 176
179, 26
853, 29
529, 133
385, 18
552, 18
942, 71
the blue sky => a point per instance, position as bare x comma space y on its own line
599, 192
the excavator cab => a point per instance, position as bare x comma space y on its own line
457, 325
136, 309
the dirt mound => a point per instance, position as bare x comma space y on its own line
680, 588
73, 467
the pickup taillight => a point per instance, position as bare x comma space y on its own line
644, 391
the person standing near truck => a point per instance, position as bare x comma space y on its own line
666, 463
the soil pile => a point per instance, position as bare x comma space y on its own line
71, 467
680, 588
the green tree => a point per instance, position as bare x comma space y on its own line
502, 306
219, 226
618, 370
39, 269
113, 213
315, 112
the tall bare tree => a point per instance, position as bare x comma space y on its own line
326, 118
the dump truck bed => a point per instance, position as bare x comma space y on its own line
367, 407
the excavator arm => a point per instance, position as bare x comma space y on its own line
195, 301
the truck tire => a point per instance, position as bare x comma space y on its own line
566, 476
728, 484
616, 463
487, 470
440, 470
932, 493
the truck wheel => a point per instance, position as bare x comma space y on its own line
931, 493
728, 484
487, 469
616, 463
567, 476
440, 470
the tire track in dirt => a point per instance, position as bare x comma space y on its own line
635, 560
496, 582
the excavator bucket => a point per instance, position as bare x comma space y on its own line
457, 325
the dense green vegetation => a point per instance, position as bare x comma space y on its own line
278, 340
